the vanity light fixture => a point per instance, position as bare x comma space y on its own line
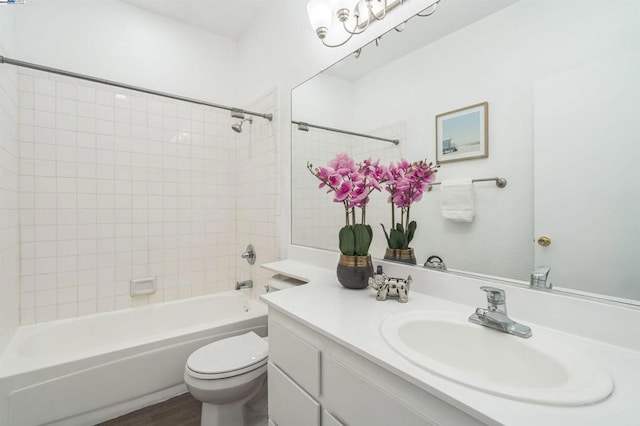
351, 17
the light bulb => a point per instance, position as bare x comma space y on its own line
361, 9
342, 8
320, 16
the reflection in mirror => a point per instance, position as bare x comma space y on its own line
561, 80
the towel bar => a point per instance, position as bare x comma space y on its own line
500, 182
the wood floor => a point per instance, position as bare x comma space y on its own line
183, 410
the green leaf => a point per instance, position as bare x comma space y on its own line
396, 239
412, 230
386, 235
370, 231
347, 241
399, 227
363, 235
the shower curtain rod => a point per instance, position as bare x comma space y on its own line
237, 111
302, 126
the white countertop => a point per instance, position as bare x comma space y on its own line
352, 318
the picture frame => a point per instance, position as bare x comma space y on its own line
463, 134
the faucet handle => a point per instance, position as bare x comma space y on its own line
495, 296
542, 269
540, 277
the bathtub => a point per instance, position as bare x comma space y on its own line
85, 370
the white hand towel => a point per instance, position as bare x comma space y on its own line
457, 202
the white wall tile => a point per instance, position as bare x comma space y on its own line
44, 86
46, 313
87, 94
43, 103
67, 310
130, 186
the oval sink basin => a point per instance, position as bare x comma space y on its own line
541, 369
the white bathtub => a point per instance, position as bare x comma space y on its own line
85, 370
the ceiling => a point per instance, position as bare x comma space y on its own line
231, 19
227, 18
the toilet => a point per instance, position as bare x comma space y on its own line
229, 376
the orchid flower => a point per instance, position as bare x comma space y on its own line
406, 183
352, 183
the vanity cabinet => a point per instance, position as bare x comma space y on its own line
314, 381
294, 379
289, 404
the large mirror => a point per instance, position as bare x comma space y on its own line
562, 84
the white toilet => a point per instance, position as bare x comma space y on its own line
227, 375
230, 376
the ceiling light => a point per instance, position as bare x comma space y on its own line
336, 21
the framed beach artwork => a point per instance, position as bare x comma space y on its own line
463, 134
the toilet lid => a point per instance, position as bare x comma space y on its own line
229, 355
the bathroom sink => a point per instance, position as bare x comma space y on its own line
541, 369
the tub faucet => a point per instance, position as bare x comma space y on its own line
540, 277
495, 315
249, 254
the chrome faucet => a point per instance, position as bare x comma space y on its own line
495, 315
435, 262
249, 254
540, 277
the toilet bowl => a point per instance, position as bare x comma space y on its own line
227, 376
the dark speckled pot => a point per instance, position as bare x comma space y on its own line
354, 271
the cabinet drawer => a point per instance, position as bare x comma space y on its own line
359, 402
290, 405
299, 359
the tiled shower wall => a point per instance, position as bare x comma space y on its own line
257, 173
9, 218
118, 185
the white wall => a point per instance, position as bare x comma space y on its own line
118, 188
123, 43
117, 41
281, 48
476, 64
7, 31
568, 159
324, 100
9, 186
9, 217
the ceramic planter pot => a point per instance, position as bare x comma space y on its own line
400, 255
354, 271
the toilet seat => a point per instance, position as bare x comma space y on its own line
228, 357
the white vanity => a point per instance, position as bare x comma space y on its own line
330, 365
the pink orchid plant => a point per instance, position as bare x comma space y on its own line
406, 183
351, 184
